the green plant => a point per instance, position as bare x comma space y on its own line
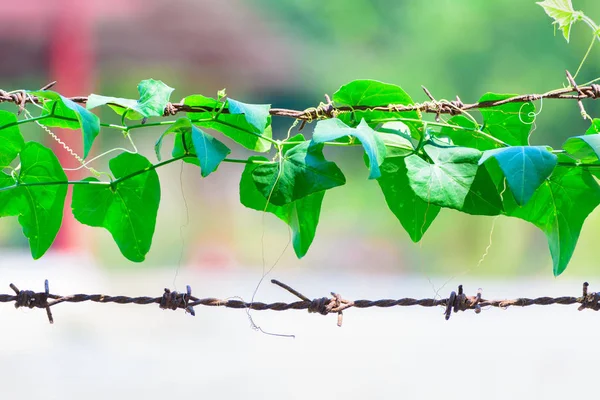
482, 167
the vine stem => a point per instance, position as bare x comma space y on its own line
126, 177
53, 183
126, 128
150, 168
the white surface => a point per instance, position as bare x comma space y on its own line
102, 351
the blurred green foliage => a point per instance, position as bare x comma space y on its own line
452, 47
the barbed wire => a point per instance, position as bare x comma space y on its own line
328, 110
457, 301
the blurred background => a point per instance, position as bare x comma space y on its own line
290, 54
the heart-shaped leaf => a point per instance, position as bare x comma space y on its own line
301, 171
371, 93
127, 209
40, 208
447, 180
525, 168
301, 215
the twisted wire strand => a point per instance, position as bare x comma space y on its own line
328, 110
457, 301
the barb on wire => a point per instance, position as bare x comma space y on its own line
437, 107
172, 300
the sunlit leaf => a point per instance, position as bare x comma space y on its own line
447, 180
563, 14
594, 128
127, 210
371, 93
40, 207
509, 122
154, 96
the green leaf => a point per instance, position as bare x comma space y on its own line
234, 126
301, 215
301, 171
40, 207
183, 144
509, 122
257, 115
467, 134
126, 209
11, 140
154, 96
585, 148
525, 168
371, 93
396, 137
332, 129
68, 114
484, 197
10, 200
415, 214
594, 128
447, 180
559, 208
563, 14
193, 141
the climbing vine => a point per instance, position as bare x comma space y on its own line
477, 163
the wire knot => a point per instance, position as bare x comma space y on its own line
590, 300
455, 106
320, 306
462, 302
19, 98
170, 109
326, 305
593, 92
31, 299
172, 300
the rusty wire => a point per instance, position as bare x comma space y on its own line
454, 107
457, 301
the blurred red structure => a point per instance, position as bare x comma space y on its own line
209, 45
68, 26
